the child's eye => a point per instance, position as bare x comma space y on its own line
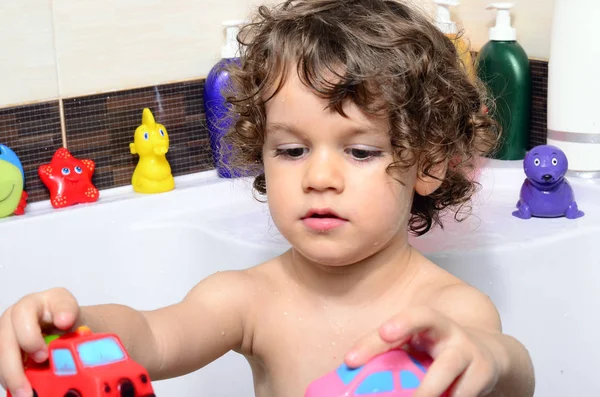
291, 152
364, 154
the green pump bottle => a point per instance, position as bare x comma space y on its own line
503, 66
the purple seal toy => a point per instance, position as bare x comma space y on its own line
545, 192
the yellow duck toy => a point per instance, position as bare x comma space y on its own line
151, 142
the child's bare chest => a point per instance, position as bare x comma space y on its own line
296, 341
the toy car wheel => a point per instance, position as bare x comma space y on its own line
72, 393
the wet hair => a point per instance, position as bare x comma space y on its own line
385, 56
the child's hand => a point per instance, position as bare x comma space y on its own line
21, 328
467, 362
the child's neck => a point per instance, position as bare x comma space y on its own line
392, 266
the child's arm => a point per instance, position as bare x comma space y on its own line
461, 330
183, 337
169, 341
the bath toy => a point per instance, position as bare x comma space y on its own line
151, 142
86, 364
69, 179
546, 193
7, 154
13, 198
395, 373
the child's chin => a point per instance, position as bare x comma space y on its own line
334, 258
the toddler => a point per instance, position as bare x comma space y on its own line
359, 123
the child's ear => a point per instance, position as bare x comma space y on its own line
425, 184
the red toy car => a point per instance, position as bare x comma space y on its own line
84, 364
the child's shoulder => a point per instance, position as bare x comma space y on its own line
459, 300
240, 283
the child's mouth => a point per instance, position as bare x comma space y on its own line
323, 220
323, 216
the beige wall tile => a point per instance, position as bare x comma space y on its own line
27, 63
116, 44
531, 18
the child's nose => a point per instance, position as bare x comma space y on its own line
324, 171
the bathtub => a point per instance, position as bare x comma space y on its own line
149, 250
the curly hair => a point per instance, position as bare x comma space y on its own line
366, 51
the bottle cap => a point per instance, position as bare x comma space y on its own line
443, 20
503, 31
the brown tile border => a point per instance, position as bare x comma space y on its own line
100, 127
33, 132
539, 108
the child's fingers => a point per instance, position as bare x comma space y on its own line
12, 376
63, 307
56, 308
368, 347
398, 331
479, 379
442, 373
416, 321
26, 315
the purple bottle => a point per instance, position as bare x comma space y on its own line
215, 105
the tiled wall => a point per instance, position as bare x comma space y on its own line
531, 18
27, 61
100, 127
34, 133
539, 87
66, 48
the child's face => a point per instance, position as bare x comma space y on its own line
317, 160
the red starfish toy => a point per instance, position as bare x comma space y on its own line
68, 179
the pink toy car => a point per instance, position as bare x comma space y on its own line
391, 374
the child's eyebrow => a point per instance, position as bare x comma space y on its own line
283, 127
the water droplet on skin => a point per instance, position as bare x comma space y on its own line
333, 343
299, 318
285, 313
222, 333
